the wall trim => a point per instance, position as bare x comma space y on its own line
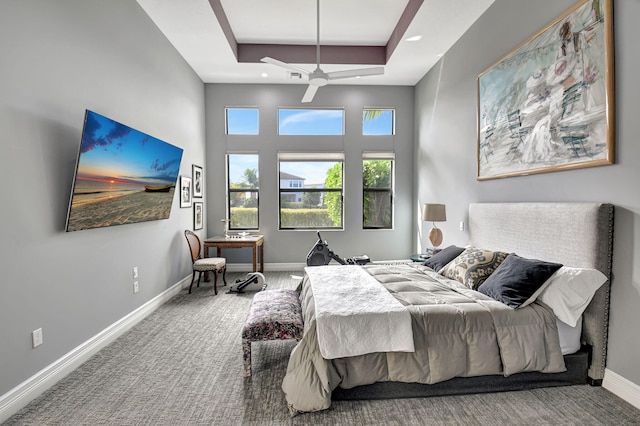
27, 391
624, 388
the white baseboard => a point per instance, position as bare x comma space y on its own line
622, 387
33, 387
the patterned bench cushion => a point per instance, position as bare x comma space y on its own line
274, 315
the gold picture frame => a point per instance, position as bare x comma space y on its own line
549, 104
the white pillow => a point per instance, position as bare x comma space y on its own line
570, 290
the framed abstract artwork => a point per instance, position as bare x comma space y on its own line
198, 183
185, 191
549, 104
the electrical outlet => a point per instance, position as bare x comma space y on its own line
136, 287
135, 272
36, 337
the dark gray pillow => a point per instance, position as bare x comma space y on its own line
444, 256
517, 279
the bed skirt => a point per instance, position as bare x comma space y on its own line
577, 374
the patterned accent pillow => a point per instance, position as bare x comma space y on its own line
473, 266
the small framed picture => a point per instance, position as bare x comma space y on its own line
198, 181
185, 191
198, 215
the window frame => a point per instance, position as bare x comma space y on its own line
242, 190
393, 120
226, 120
341, 109
333, 157
379, 156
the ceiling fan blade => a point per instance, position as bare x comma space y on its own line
268, 60
363, 72
310, 93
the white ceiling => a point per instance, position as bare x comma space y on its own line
193, 28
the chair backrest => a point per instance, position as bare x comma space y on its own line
194, 245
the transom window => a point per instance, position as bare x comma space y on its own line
243, 186
377, 190
241, 121
311, 194
299, 121
378, 121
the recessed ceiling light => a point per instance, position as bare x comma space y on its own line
264, 74
414, 38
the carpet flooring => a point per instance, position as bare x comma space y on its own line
182, 365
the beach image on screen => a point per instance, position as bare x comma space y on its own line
122, 176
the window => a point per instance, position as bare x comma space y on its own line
377, 190
311, 190
242, 121
243, 186
378, 121
300, 121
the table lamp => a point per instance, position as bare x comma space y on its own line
434, 213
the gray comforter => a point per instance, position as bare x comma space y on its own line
457, 332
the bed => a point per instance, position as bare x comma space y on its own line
461, 340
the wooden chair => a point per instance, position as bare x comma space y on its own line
204, 264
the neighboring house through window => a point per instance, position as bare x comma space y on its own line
311, 190
291, 181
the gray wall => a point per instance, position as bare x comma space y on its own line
58, 58
286, 247
446, 119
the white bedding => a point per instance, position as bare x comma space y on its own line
569, 337
356, 315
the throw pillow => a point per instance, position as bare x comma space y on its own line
517, 279
444, 256
473, 266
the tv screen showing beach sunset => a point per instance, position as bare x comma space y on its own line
122, 176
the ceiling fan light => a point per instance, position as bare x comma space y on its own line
319, 81
318, 78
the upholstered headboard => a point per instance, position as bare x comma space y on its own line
574, 234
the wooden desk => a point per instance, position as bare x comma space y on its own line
222, 242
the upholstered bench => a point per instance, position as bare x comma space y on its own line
274, 315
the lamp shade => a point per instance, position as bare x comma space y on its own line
434, 213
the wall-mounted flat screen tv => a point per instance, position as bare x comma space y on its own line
122, 176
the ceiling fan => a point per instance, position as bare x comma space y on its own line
319, 78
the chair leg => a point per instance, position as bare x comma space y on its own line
199, 276
224, 275
193, 276
215, 281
